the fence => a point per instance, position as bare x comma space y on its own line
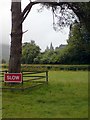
44, 67
29, 80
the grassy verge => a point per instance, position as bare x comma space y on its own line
66, 96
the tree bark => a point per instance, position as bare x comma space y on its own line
18, 18
16, 38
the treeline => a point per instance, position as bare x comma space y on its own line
77, 51
31, 54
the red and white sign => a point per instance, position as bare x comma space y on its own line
13, 77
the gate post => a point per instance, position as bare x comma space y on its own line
46, 76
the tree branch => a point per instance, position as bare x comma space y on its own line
76, 10
29, 6
51, 4
27, 10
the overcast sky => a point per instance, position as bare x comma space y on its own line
39, 26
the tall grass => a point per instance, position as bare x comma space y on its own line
65, 96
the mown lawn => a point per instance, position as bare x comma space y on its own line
65, 96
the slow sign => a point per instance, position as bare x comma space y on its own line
13, 77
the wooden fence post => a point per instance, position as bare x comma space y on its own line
5, 82
46, 76
22, 78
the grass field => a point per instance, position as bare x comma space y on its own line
65, 96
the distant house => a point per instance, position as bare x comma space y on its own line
61, 46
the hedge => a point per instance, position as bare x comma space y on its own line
55, 67
39, 67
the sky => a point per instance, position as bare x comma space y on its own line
39, 26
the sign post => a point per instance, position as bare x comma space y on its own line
13, 77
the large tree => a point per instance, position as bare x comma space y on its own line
18, 18
16, 38
78, 49
60, 10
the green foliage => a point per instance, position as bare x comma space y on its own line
78, 48
47, 57
76, 52
29, 52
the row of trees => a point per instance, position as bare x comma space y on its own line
76, 52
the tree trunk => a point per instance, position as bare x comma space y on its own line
16, 38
